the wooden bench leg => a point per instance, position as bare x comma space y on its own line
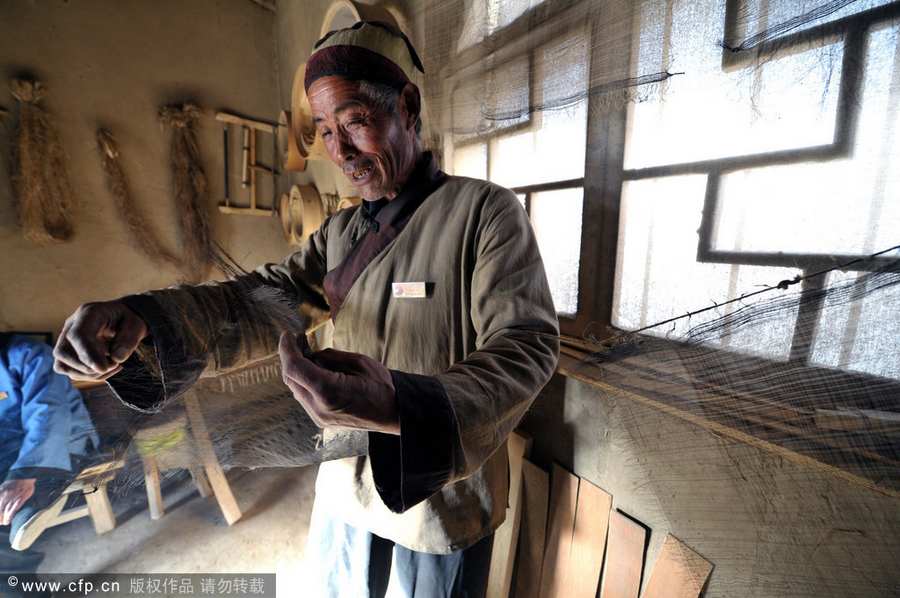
100, 510
211, 466
154, 491
200, 481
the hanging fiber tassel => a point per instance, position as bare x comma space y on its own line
191, 189
40, 180
140, 231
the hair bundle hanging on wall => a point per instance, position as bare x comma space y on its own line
142, 234
40, 178
191, 189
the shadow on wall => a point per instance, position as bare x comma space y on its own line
545, 422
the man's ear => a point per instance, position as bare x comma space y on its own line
412, 104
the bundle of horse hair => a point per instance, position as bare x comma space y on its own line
40, 179
191, 190
143, 235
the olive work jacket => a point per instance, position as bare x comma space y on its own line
468, 350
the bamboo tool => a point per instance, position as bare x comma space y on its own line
302, 213
245, 158
290, 211
299, 126
304, 210
293, 159
249, 165
299, 140
225, 151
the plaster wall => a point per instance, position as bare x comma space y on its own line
113, 65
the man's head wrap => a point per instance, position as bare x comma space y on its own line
369, 50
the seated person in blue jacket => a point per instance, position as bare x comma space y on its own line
44, 431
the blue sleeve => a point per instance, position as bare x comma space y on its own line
46, 412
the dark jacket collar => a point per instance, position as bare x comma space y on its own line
425, 178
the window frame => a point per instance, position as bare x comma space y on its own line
853, 30
605, 172
502, 47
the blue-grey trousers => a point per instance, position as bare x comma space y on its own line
342, 561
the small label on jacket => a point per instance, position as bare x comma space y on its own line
3, 395
409, 290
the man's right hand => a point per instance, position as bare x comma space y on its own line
97, 339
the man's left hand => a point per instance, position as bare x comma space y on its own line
14, 494
339, 389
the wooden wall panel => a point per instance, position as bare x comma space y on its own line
507, 535
563, 497
588, 540
678, 572
533, 532
624, 558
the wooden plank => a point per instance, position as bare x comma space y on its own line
200, 481
234, 119
253, 170
533, 531
624, 558
154, 490
234, 210
588, 540
211, 466
70, 515
100, 510
678, 572
89, 484
100, 468
563, 498
506, 537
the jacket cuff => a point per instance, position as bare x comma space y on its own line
147, 387
411, 467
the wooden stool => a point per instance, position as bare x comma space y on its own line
92, 483
169, 446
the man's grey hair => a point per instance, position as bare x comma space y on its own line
384, 97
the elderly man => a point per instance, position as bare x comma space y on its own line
442, 315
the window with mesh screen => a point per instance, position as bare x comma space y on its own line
539, 154
762, 168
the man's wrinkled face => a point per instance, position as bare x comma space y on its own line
374, 148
